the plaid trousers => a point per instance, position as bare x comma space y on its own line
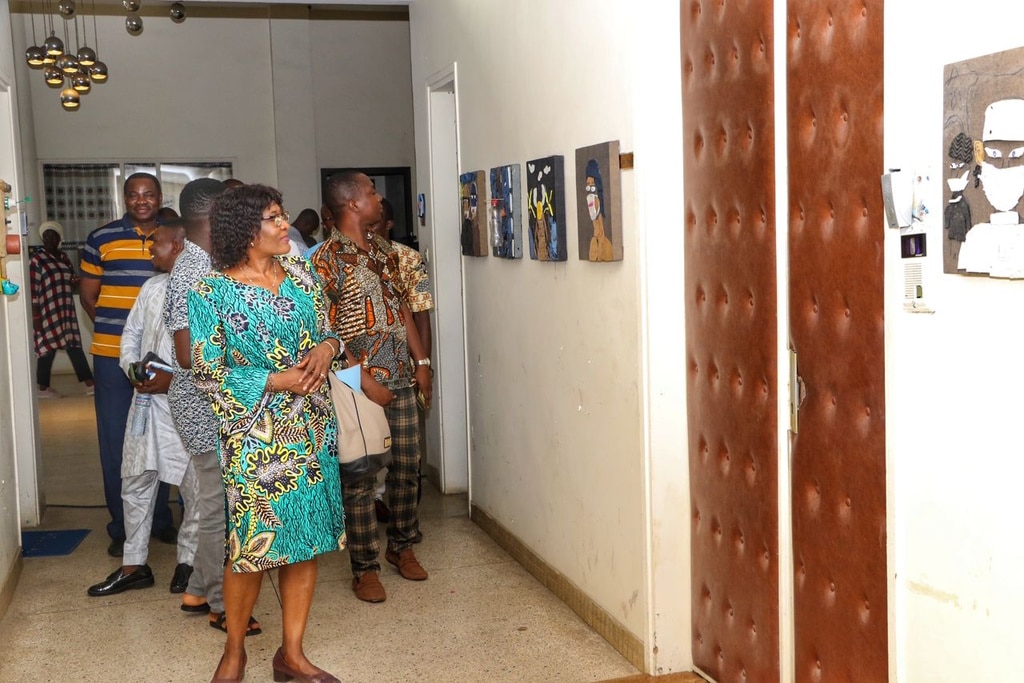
402, 480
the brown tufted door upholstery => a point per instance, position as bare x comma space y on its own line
835, 295
731, 295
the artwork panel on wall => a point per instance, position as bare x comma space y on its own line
983, 158
545, 198
506, 214
472, 189
599, 202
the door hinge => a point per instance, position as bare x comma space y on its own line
797, 392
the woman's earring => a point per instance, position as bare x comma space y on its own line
252, 243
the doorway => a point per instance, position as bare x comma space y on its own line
447, 456
784, 222
17, 353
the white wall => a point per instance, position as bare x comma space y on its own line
279, 103
954, 379
361, 72
197, 90
561, 391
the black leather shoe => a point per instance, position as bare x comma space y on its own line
116, 548
119, 582
167, 535
179, 582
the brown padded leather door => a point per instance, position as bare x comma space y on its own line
836, 230
731, 307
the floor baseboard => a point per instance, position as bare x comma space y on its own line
10, 583
598, 618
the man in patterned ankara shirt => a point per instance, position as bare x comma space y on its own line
360, 271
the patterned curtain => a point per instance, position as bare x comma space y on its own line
80, 197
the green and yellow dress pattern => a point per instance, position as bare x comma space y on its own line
278, 451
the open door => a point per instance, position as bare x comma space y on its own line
773, 602
836, 287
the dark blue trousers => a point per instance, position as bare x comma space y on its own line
113, 399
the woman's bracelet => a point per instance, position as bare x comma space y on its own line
269, 387
336, 350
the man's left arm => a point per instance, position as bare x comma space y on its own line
423, 374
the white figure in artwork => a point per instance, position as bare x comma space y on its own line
997, 247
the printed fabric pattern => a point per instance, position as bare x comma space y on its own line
278, 451
52, 277
363, 292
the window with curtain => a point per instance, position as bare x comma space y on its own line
82, 197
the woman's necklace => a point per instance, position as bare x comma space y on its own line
271, 276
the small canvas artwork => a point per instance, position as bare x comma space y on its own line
545, 197
506, 217
598, 202
474, 230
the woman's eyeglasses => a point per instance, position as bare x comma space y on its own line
278, 218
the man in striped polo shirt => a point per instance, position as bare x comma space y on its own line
115, 265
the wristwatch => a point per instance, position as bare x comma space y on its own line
423, 361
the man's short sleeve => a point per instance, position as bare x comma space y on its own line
415, 280
92, 261
176, 304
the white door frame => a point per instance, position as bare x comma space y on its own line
20, 400
448, 420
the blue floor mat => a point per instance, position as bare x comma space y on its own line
51, 543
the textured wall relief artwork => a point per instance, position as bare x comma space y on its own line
599, 202
474, 230
983, 158
545, 197
506, 214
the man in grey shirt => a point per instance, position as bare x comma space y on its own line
193, 416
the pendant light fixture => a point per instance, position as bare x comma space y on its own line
53, 46
86, 55
74, 72
53, 75
80, 82
69, 99
35, 54
67, 62
97, 70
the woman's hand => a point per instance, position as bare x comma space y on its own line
296, 380
315, 366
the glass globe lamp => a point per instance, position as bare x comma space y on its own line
54, 76
69, 99
98, 72
67, 63
133, 24
80, 82
54, 46
35, 56
86, 56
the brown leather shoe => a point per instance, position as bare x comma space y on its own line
408, 566
368, 588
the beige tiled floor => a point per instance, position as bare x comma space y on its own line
480, 616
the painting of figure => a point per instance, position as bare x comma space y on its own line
545, 198
473, 236
506, 218
598, 202
983, 153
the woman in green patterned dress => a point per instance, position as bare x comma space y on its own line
261, 350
